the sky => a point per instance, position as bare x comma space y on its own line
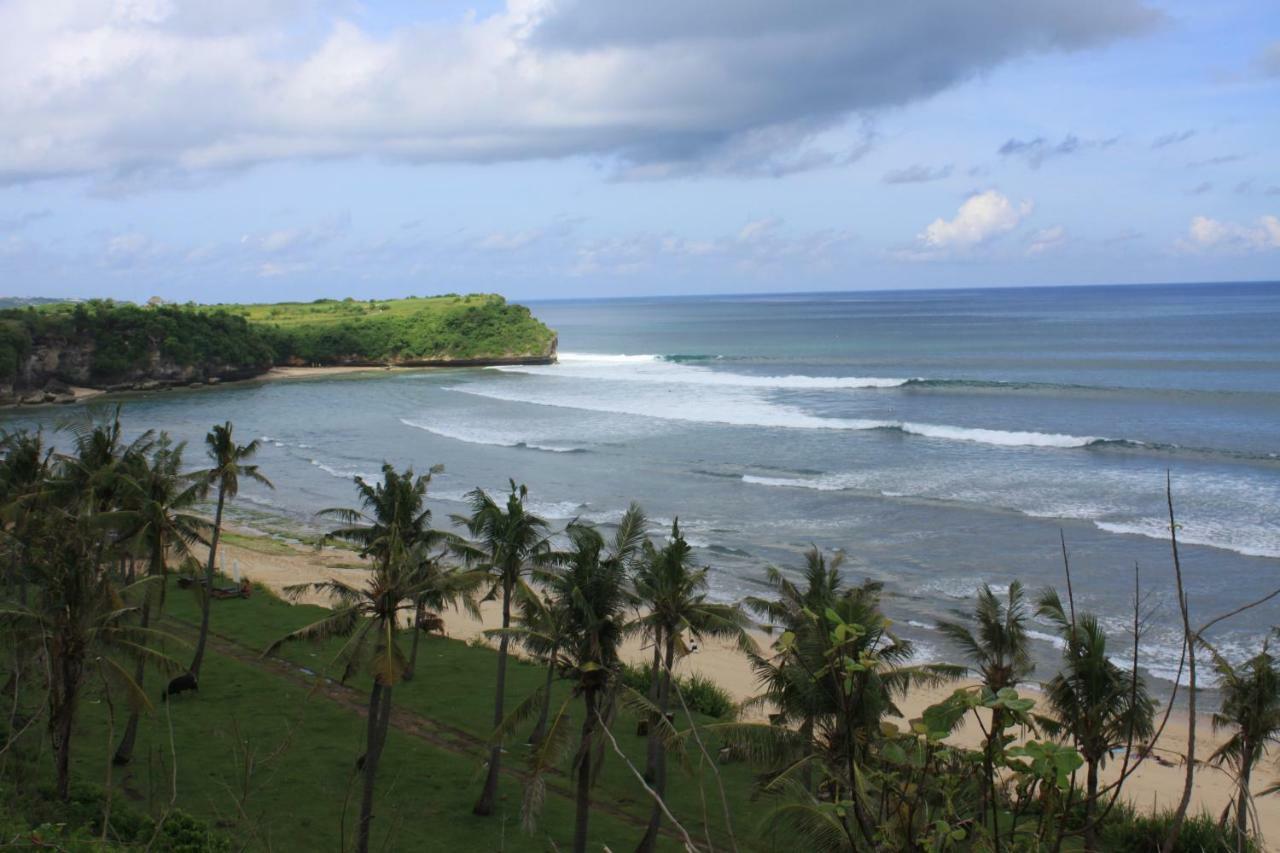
262, 150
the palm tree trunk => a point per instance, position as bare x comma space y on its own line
413, 654
1090, 804
124, 752
655, 679
64, 724
583, 762
378, 696
207, 601
540, 729
1242, 800
650, 839
484, 806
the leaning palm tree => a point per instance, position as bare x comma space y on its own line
672, 596
24, 468
157, 498
1099, 705
389, 527
506, 543
229, 465
542, 628
996, 642
441, 585
592, 586
1251, 708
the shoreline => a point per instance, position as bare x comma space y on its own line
1153, 786
81, 394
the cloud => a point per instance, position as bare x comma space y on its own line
760, 245
1046, 239
281, 241
1036, 151
1172, 138
1220, 160
982, 217
146, 91
917, 174
1200, 188
1205, 233
22, 220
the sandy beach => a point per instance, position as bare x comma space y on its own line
1155, 785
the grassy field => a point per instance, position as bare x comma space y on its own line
416, 329
301, 736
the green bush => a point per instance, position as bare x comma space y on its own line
1129, 832
702, 695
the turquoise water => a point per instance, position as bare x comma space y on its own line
939, 438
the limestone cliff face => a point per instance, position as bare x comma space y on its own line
50, 368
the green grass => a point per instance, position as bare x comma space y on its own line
426, 792
437, 328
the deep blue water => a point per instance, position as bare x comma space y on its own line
940, 438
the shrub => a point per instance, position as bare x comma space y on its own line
1128, 832
702, 695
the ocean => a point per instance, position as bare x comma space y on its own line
941, 439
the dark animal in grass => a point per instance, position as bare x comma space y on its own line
181, 684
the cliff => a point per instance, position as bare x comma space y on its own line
119, 346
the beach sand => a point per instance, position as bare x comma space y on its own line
1152, 786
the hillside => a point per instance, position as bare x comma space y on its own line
121, 346
451, 329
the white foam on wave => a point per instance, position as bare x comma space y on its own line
745, 409
999, 437
486, 437
1251, 541
655, 369
342, 473
821, 484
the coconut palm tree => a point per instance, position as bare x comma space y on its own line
230, 463
995, 641
841, 670
78, 619
157, 498
541, 627
390, 526
1099, 705
1251, 709
672, 596
24, 469
506, 543
593, 587
442, 586
794, 696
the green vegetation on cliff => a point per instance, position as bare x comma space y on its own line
439, 328
103, 343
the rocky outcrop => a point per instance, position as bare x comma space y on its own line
49, 371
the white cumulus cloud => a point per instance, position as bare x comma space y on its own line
982, 217
1207, 233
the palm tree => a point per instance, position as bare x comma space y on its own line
793, 693
229, 465
441, 587
157, 497
506, 544
390, 526
24, 469
542, 626
841, 670
78, 620
997, 644
1099, 705
593, 588
673, 596
1250, 706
